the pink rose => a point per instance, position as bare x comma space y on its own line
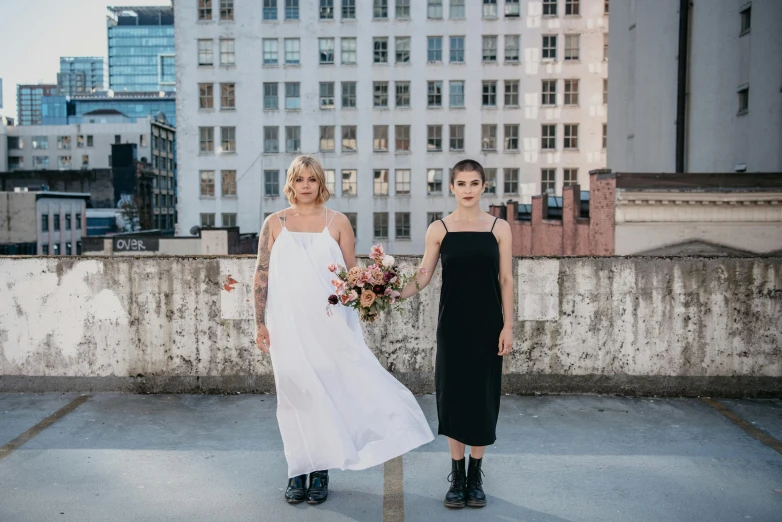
365, 278
393, 294
352, 295
332, 267
367, 298
376, 254
339, 286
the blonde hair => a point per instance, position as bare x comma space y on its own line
294, 170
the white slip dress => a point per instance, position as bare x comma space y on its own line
337, 407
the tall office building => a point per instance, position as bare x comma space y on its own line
141, 49
28, 102
81, 74
718, 109
389, 94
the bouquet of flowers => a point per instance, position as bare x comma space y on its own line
370, 290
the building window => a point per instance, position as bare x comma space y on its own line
511, 181
349, 47
327, 95
434, 182
85, 161
40, 162
571, 92
380, 186
79, 142
229, 220
489, 98
744, 100
402, 95
45, 249
605, 91
227, 96
67, 221
349, 183
349, 134
206, 96
228, 182
512, 8
402, 137
205, 52
348, 95
293, 140
348, 9
353, 219
77, 222
511, 93
402, 225
549, 92
434, 9
207, 220
380, 46
434, 94
331, 181
402, 48
40, 142
271, 139
570, 177
571, 137
227, 52
56, 222
380, 9
605, 47
512, 137
326, 9
63, 143
269, 9
456, 93
204, 9
292, 51
380, 138
434, 46
490, 8
68, 249
402, 182
326, 46
403, 9
291, 9
456, 135
431, 217
64, 162
548, 181
226, 9
605, 135
327, 140
270, 96
270, 51
572, 8
605, 6
434, 134
228, 139
488, 137
207, 183
292, 96
746, 20
489, 49
549, 133
550, 7
117, 139
491, 180
512, 48
457, 49
271, 182
380, 98
381, 225
572, 44
206, 139
549, 47
56, 249
15, 162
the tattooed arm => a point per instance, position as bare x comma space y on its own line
261, 283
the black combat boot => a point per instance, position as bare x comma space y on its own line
296, 488
319, 487
456, 494
475, 495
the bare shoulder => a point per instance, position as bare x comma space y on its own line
272, 224
436, 231
502, 230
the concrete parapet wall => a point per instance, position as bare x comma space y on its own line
650, 326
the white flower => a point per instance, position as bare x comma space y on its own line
388, 261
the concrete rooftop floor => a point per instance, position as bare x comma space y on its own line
219, 458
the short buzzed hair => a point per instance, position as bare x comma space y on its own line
468, 165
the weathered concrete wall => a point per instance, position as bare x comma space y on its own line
680, 326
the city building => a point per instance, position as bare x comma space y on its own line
388, 95
81, 74
28, 102
715, 110
61, 110
206, 241
42, 223
141, 49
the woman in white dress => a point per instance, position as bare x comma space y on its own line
337, 407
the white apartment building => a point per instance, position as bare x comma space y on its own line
723, 104
388, 94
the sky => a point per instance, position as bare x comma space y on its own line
35, 33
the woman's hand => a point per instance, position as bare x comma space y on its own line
506, 341
262, 338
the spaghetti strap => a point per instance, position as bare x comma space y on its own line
332, 217
492, 225
281, 219
443, 222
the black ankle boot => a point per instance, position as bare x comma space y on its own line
455, 498
319, 487
475, 495
296, 488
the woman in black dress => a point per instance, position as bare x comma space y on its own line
475, 326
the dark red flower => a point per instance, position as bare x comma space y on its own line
379, 289
333, 299
388, 276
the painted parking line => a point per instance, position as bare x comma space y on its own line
38, 428
393, 491
748, 428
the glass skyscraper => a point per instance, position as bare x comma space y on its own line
28, 102
141, 49
81, 74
